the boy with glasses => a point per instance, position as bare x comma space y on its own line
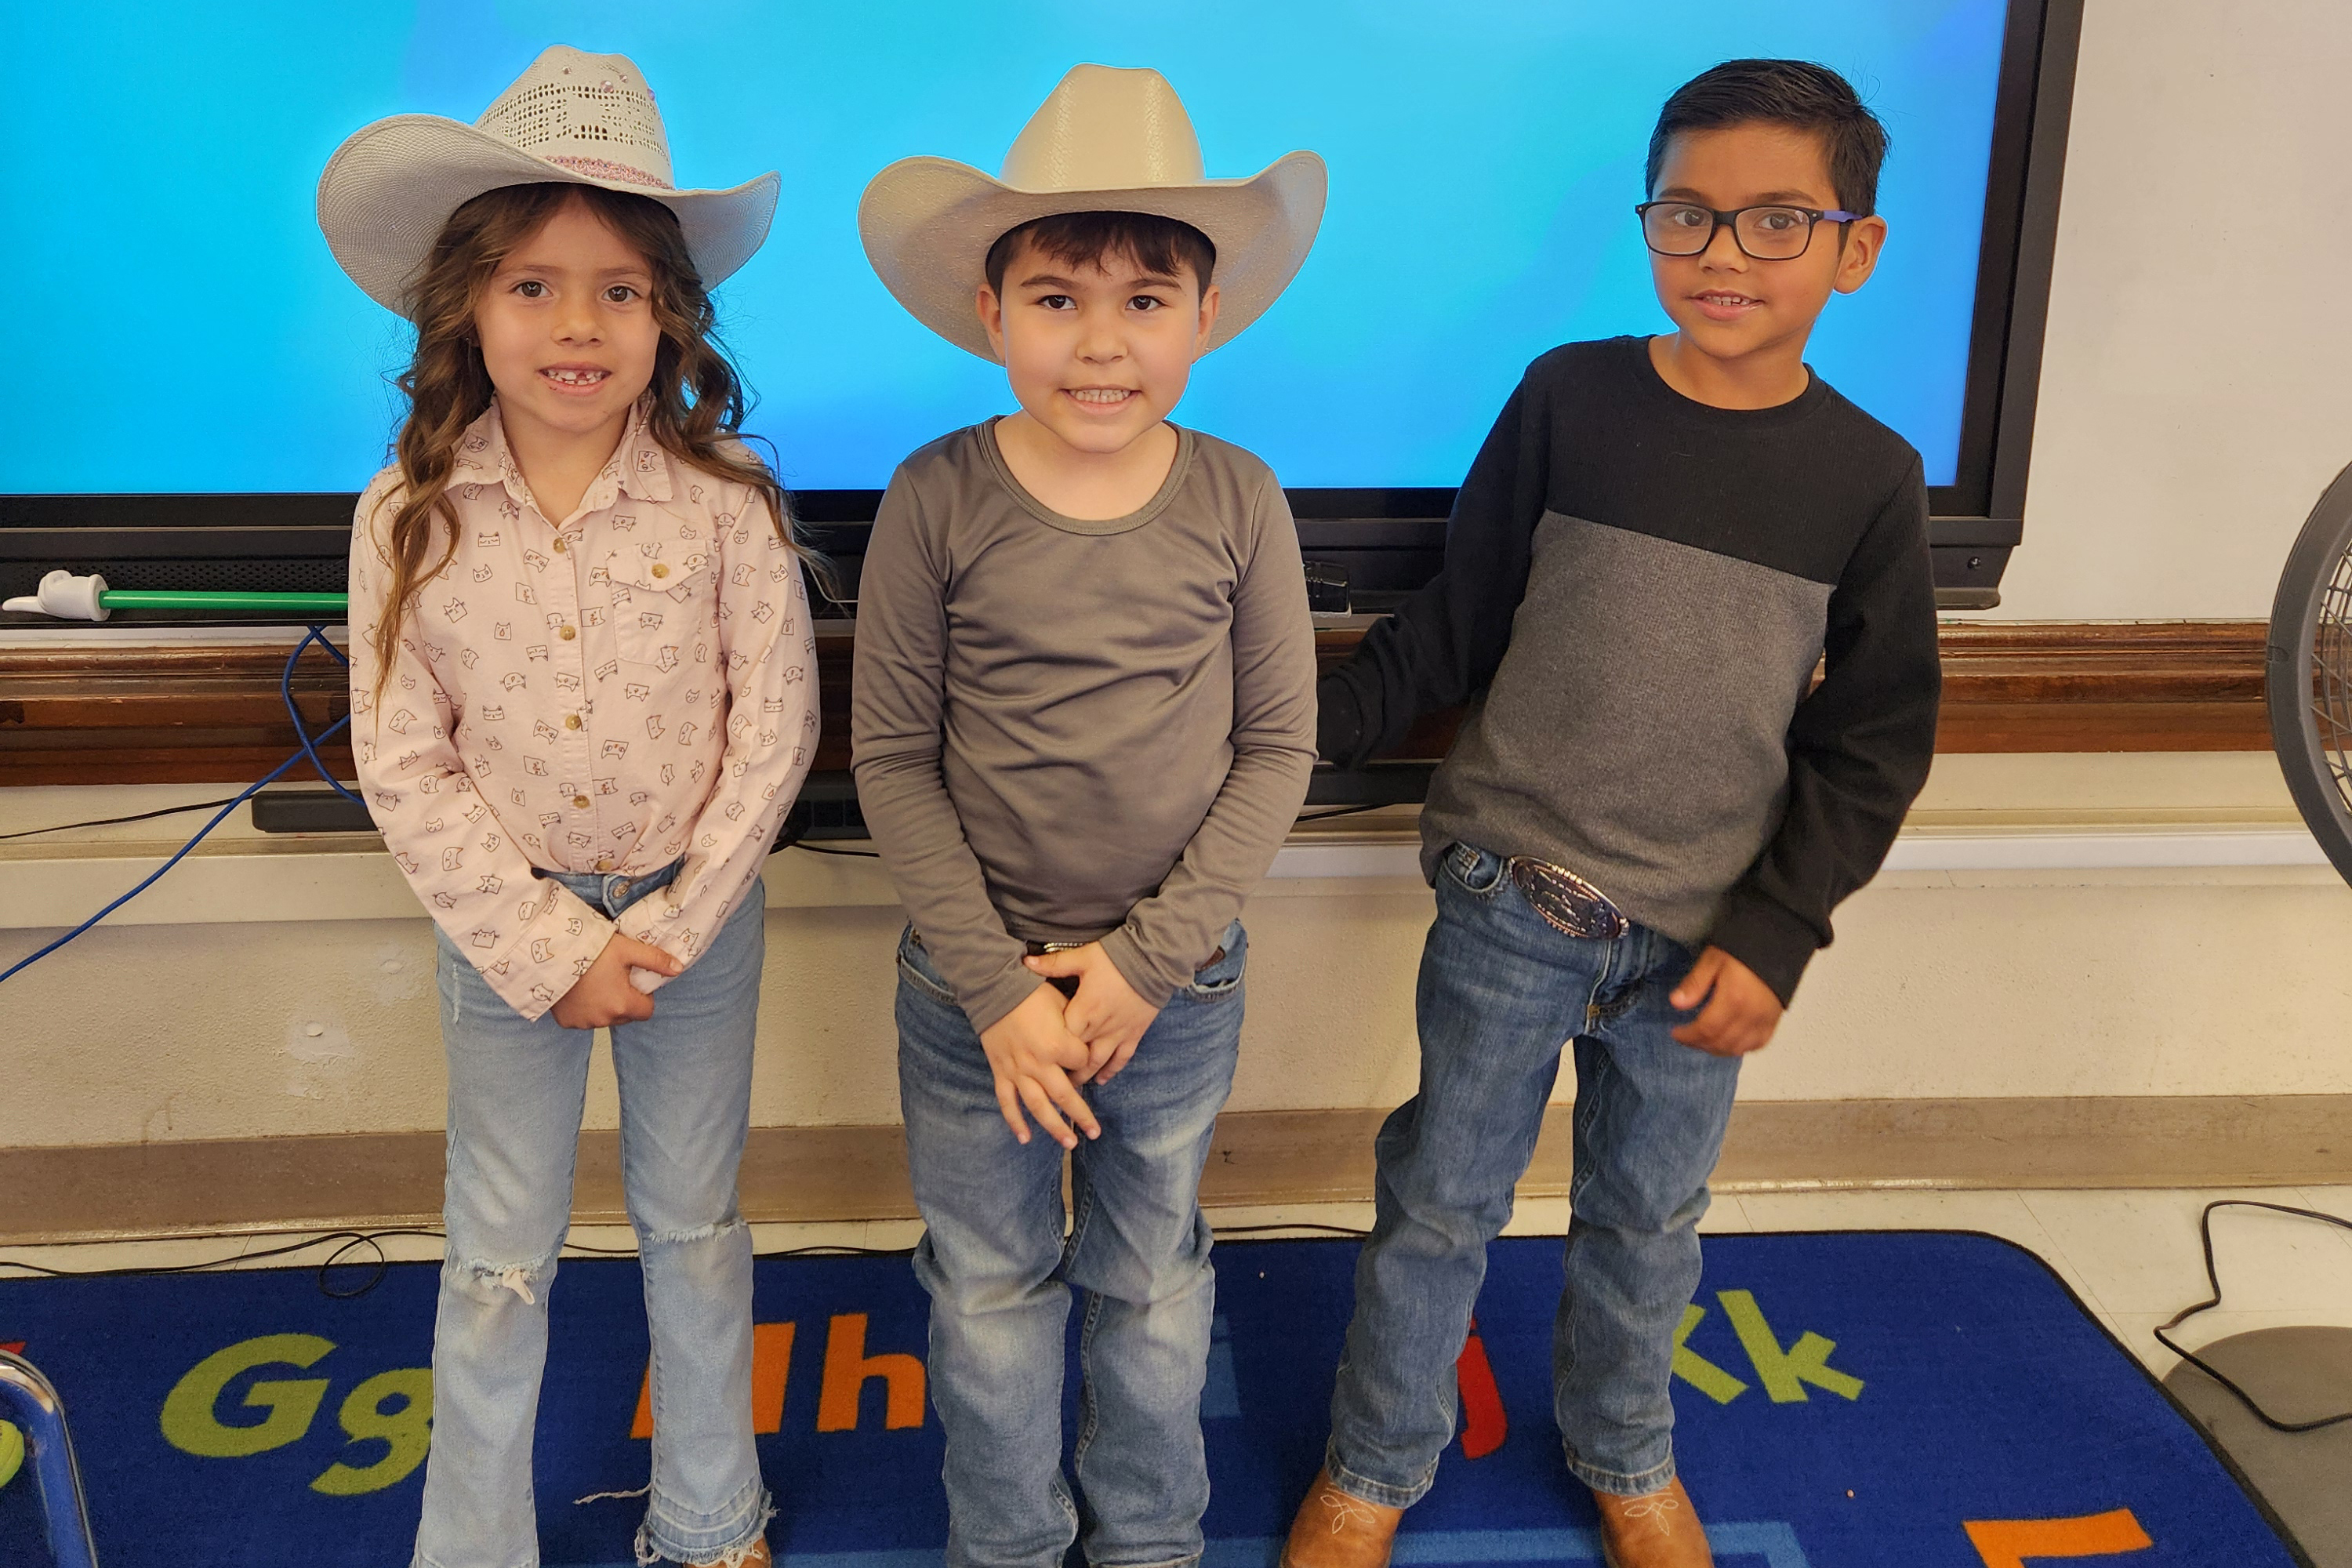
1652, 809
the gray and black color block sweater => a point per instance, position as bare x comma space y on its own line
1637, 590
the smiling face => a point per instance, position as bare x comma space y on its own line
1098, 353
1727, 305
567, 332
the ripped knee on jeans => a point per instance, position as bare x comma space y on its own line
526, 1280
692, 1234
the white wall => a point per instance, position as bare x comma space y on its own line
2197, 387
241, 1004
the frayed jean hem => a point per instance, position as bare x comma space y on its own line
1363, 1488
663, 1538
1656, 1479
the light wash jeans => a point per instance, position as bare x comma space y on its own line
1501, 991
998, 1268
516, 1093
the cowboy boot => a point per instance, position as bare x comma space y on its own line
1336, 1530
1660, 1531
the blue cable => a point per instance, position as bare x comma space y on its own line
285, 690
309, 751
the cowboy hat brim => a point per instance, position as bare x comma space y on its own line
392, 185
928, 224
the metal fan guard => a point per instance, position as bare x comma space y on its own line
2310, 673
2331, 663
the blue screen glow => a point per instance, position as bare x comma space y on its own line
181, 327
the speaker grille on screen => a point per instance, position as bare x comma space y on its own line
296, 576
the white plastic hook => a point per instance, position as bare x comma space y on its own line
64, 596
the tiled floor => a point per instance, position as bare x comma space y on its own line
2132, 1255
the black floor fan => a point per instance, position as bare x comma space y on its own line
2310, 672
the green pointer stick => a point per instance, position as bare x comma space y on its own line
224, 601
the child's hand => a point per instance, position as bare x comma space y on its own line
1040, 1064
603, 995
1105, 1014
1742, 1015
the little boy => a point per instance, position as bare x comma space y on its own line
1083, 717
1641, 832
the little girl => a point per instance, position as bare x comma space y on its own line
582, 694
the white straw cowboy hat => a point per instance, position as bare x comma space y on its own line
571, 119
1107, 140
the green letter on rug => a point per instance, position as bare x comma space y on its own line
1784, 1374
1697, 1370
189, 1421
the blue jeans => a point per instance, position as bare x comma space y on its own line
998, 1269
516, 1092
1501, 991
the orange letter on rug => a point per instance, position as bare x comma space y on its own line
2007, 1544
772, 1367
847, 1369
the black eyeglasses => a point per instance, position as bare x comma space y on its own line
1775, 233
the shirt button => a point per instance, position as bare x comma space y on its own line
560, 545
571, 721
579, 802
604, 864
566, 633
660, 570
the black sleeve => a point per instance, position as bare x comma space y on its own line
1859, 749
1445, 643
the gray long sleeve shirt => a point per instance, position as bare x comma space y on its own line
1066, 730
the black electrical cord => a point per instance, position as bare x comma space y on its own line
1323, 815
2213, 1279
1344, 1230
351, 1238
380, 1265
116, 821
348, 1238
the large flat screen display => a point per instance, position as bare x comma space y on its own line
180, 328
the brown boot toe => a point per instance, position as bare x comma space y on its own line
1339, 1529
1659, 1531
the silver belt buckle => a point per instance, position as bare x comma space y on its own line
1566, 900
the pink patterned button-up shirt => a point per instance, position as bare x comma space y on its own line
630, 686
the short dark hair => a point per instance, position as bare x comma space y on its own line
1157, 244
1796, 94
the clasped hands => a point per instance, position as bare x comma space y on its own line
1047, 1051
606, 995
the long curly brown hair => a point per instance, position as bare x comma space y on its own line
697, 400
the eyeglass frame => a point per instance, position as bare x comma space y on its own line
1814, 218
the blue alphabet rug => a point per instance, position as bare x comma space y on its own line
1850, 1399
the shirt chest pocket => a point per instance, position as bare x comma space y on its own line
662, 598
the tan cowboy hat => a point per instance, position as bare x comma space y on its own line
571, 119
1107, 140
